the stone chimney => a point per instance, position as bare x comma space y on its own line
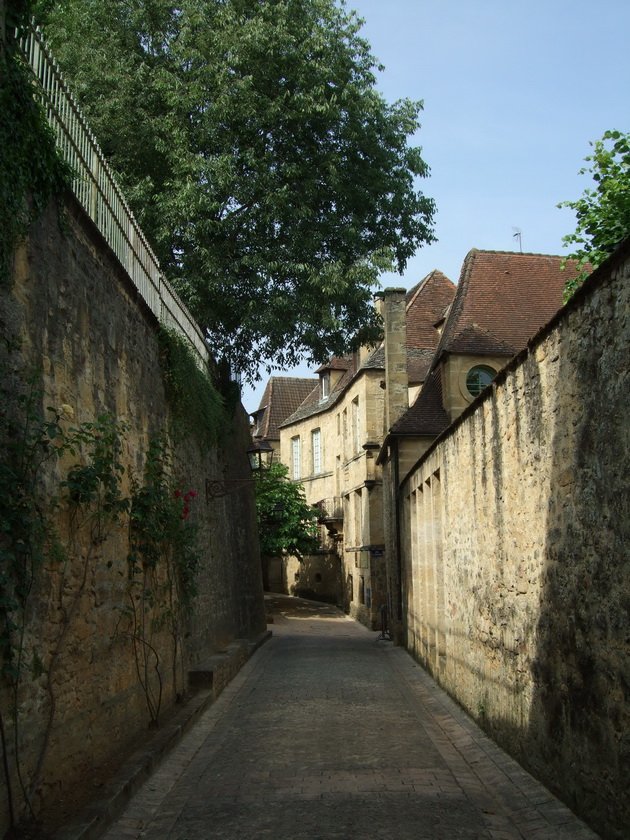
394, 313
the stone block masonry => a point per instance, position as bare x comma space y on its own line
516, 562
95, 651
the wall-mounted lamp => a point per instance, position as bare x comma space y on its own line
259, 454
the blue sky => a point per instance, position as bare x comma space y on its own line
513, 93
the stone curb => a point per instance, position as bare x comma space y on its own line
98, 816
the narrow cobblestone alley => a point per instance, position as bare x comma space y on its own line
328, 732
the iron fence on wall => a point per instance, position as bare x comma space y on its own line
100, 196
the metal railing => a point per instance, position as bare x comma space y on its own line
330, 509
100, 196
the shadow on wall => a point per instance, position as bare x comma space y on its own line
579, 729
316, 577
532, 590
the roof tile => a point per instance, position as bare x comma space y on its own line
502, 300
427, 415
281, 397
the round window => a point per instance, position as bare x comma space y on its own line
478, 378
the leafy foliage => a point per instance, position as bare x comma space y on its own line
31, 444
198, 408
94, 484
603, 213
285, 521
161, 530
31, 172
163, 563
273, 180
60, 498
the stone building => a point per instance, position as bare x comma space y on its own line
330, 444
502, 300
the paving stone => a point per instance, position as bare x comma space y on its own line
329, 733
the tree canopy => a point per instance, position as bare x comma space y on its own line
286, 522
272, 178
603, 213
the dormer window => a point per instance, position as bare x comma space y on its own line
324, 385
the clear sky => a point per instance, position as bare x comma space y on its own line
513, 92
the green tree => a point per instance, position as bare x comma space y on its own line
274, 181
286, 522
603, 213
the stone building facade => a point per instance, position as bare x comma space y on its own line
97, 652
515, 569
330, 445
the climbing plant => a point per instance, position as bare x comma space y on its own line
163, 562
33, 500
198, 407
61, 494
31, 171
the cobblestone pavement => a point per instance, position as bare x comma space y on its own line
329, 733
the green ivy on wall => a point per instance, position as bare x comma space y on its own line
198, 408
61, 494
163, 562
33, 499
31, 171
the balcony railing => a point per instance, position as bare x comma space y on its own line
100, 196
331, 510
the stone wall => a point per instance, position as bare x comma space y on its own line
91, 642
516, 568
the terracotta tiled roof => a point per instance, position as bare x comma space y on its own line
312, 404
502, 300
336, 363
426, 304
418, 364
427, 415
282, 395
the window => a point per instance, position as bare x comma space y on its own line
478, 378
316, 450
295, 457
356, 426
325, 385
357, 501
